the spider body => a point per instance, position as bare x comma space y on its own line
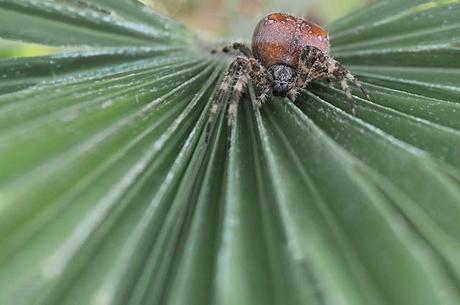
287, 54
280, 38
278, 42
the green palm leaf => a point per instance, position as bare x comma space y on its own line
109, 195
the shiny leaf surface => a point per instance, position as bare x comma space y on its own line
109, 194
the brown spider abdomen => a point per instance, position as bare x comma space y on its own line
280, 38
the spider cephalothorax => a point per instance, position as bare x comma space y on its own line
283, 79
287, 54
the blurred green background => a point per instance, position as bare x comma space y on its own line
224, 19
236, 18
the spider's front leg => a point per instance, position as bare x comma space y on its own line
261, 79
316, 65
310, 67
233, 84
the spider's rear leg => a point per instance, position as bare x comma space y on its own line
235, 47
233, 84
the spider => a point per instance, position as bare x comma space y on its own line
287, 54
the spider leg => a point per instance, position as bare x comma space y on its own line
338, 73
261, 79
312, 66
235, 47
347, 90
262, 95
225, 86
233, 84
241, 81
356, 82
315, 65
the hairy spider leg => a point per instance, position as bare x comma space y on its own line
241, 81
312, 66
219, 96
235, 47
358, 84
342, 75
233, 82
315, 65
261, 79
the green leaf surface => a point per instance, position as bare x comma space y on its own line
74, 23
109, 193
